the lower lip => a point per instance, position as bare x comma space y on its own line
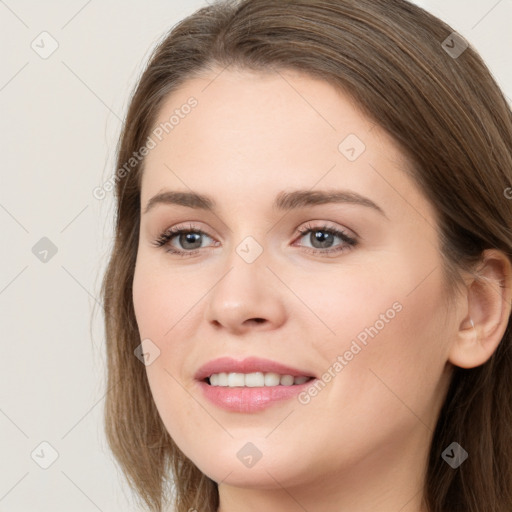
246, 399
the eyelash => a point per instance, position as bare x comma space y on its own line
165, 237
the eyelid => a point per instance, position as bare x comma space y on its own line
325, 225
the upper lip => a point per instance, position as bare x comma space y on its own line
248, 365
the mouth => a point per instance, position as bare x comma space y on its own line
251, 385
251, 372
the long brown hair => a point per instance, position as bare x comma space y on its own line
447, 114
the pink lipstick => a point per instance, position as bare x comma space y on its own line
251, 384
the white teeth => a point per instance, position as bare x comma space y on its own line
272, 379
254, 380
236, 379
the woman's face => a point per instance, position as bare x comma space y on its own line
365, 315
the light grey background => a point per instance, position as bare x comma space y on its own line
60, 119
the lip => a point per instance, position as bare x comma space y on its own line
248, 365
249, 399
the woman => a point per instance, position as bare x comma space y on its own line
337, 335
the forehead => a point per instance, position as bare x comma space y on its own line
250, 131
247, 109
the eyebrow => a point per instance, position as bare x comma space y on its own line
284, 201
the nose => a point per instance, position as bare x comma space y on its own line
247, 297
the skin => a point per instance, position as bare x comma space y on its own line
362, 443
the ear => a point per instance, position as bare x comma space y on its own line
489, 299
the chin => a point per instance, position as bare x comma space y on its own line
231, 464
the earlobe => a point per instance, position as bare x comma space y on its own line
467, 350
487, 314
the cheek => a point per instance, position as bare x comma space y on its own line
159, 304
166, 308
388, 323
393, 355
339, 303
160, 298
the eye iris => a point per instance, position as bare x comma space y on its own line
190, 238
322, 237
